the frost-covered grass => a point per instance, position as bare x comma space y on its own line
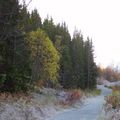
112, 106
33, 106
40, 103
114, 98
36, 105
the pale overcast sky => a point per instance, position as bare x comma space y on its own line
98, 19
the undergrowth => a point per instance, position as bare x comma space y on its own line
114, 98
93, 92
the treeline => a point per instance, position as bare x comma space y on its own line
33, 52
109, 73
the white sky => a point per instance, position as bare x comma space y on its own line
98, 19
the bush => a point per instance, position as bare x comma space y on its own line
74, 96
114, 99
116, 88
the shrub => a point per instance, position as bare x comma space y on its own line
71, 97
74, 96
114, 99
116, 88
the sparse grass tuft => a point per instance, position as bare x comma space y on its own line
93, 92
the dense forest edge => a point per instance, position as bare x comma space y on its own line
39, 53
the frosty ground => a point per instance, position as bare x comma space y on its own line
44, 104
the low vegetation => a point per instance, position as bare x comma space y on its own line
72, 97
112, 106
114, 98
109, 73
93, 92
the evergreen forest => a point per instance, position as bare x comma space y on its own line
39, 52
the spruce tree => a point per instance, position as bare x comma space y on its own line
66, 60
13, 51
90, 66
78, 59
50, 28
35, 20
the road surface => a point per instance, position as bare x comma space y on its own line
90, 110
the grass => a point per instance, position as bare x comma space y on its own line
110, 87
94, 92
74, 95
114, 98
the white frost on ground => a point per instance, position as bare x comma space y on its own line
15, 111
90, 110
108, 113
113, 114
44, 104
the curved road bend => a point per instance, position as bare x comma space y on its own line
90, 110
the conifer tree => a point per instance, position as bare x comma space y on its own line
13, 50
90, 66
78, 59
35, 20
65, 61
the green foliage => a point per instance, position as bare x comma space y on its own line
78, 60
77, 66
25, 23
35, 20
29, 55
92, 92
13, 52
62, 41
44, 56
84, 68
49, 27
29, 22
90, 66
2, 79
65, 61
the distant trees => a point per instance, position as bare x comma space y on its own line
109, 73
33, 52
